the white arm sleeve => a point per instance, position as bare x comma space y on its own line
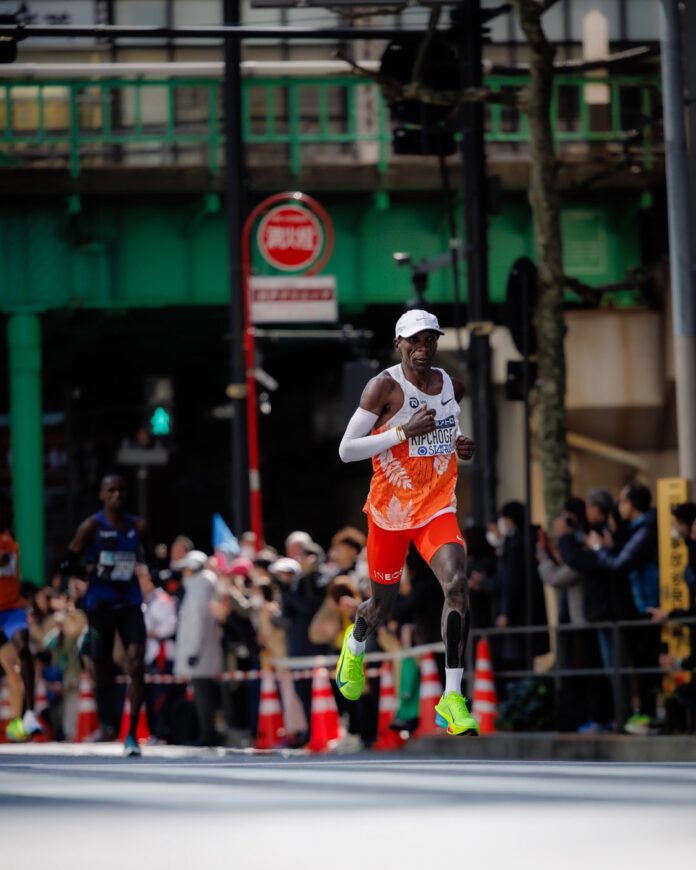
357, 443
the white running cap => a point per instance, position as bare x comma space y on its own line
416, 321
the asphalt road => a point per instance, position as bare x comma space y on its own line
86, 807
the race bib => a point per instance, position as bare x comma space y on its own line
437, 443
118, 565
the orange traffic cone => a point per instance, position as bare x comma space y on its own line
270, 728
5, 709
485, 707
87, 719
430, 692
325, 725
386, 738
142, 731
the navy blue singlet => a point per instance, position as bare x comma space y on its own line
110, 561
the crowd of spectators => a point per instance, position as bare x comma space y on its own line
212, 614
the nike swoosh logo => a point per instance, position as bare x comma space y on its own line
447, 401
338, 672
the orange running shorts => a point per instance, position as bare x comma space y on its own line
386, 550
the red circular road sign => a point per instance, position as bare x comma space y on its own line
290, 238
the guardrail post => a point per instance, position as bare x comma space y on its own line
616, 677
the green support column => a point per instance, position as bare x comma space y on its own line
26, 429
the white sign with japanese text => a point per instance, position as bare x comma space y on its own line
293, 299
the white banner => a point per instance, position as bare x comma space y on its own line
294, 299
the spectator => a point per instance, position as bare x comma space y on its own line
555, 573
271, 637
248, 545
346, 546
584, 702
637, 558
61, 631
513, 591
169, 578
301, 597
159, 565
295, 544
684, 528
329, 625
199, 641
482, 571
160, 625
238, 614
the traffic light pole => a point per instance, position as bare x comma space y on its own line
474, 193
235, 190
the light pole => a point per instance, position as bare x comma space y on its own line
235, 190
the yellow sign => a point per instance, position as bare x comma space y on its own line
674, 557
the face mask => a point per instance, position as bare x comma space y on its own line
675, 535
493, 539
503, 528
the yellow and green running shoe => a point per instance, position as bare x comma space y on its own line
350, 674
16, 732
453, 714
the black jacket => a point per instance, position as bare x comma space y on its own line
513, 597
607, 593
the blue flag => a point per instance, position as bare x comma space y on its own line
223, 539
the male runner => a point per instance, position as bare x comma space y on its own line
407, 422
15, 627
9, 662
111, 543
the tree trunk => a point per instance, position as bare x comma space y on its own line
535, 101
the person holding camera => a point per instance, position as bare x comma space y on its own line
637, 559
198, 653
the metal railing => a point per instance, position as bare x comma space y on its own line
619, 674
296, 120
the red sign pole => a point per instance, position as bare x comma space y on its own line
255, 512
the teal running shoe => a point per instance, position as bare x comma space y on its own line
453, 714
350, 674
131, 748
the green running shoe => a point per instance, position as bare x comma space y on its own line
16, 732
350, 675
639, 724
453, 714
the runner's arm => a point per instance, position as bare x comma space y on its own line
358, 442
72, 564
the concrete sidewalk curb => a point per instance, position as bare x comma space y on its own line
559, 747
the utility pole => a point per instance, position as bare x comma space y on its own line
234, 191
467, 17
681, 236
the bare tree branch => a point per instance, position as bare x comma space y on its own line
643, 52
394, 90
635, 279
456, 98
424, 47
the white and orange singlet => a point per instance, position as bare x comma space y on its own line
414, 481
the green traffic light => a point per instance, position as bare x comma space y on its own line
160, 422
